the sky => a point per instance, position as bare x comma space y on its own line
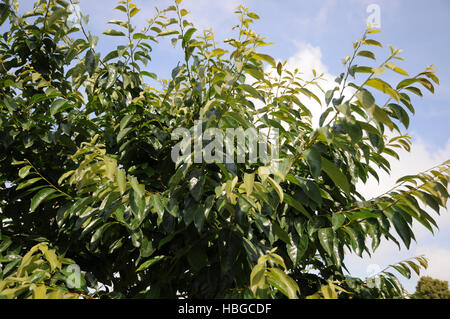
318, 34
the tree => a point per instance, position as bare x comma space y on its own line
429, 288
87, 142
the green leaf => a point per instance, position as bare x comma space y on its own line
426, 84
379, 114
134, 11
337, 220
40, 197
28, 183
249, 181
364, 69
336, 175
400, 113
406, 83
357, 239
365, 98
310, 189
366, 54
121, 180
328, 292
329, 96
257, 277
264, 57
400, 226
51, 257
114, 33
414, 267
39, 292
138, 188
362, 214
280, 232
199, 219
140, 36
414, 90
149, 74
354, 130
123, 133
58, 106
279, 68
383, 87
89, 61
277, 188
217, 52
157, 204
167, 32
253, 15
314, 161
24, 171
126, 120
297, 247
297, 205
197, 258
324, 115
405, 272
372, 42
112, 77
253, 92
150, 262
4, 12
121, 8
395, 68
196, 183
326, 239
55, 16
188, 35
283, 282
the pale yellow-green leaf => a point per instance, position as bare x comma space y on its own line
288, 285
379, 71
383, 87
328, 292
395, 68
64, 176
257, 277
263, 172
121, 180
51, 257
39, 292
138, 188
110, 168
24, 171
249, 181
277, 188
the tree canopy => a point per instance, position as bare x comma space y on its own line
87, 178
429, 288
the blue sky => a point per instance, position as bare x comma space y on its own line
318, 34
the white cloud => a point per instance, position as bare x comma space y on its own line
307, 58
439, 258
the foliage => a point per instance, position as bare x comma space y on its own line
382, 285
85, 149
263, 277
429, 288
40, 275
